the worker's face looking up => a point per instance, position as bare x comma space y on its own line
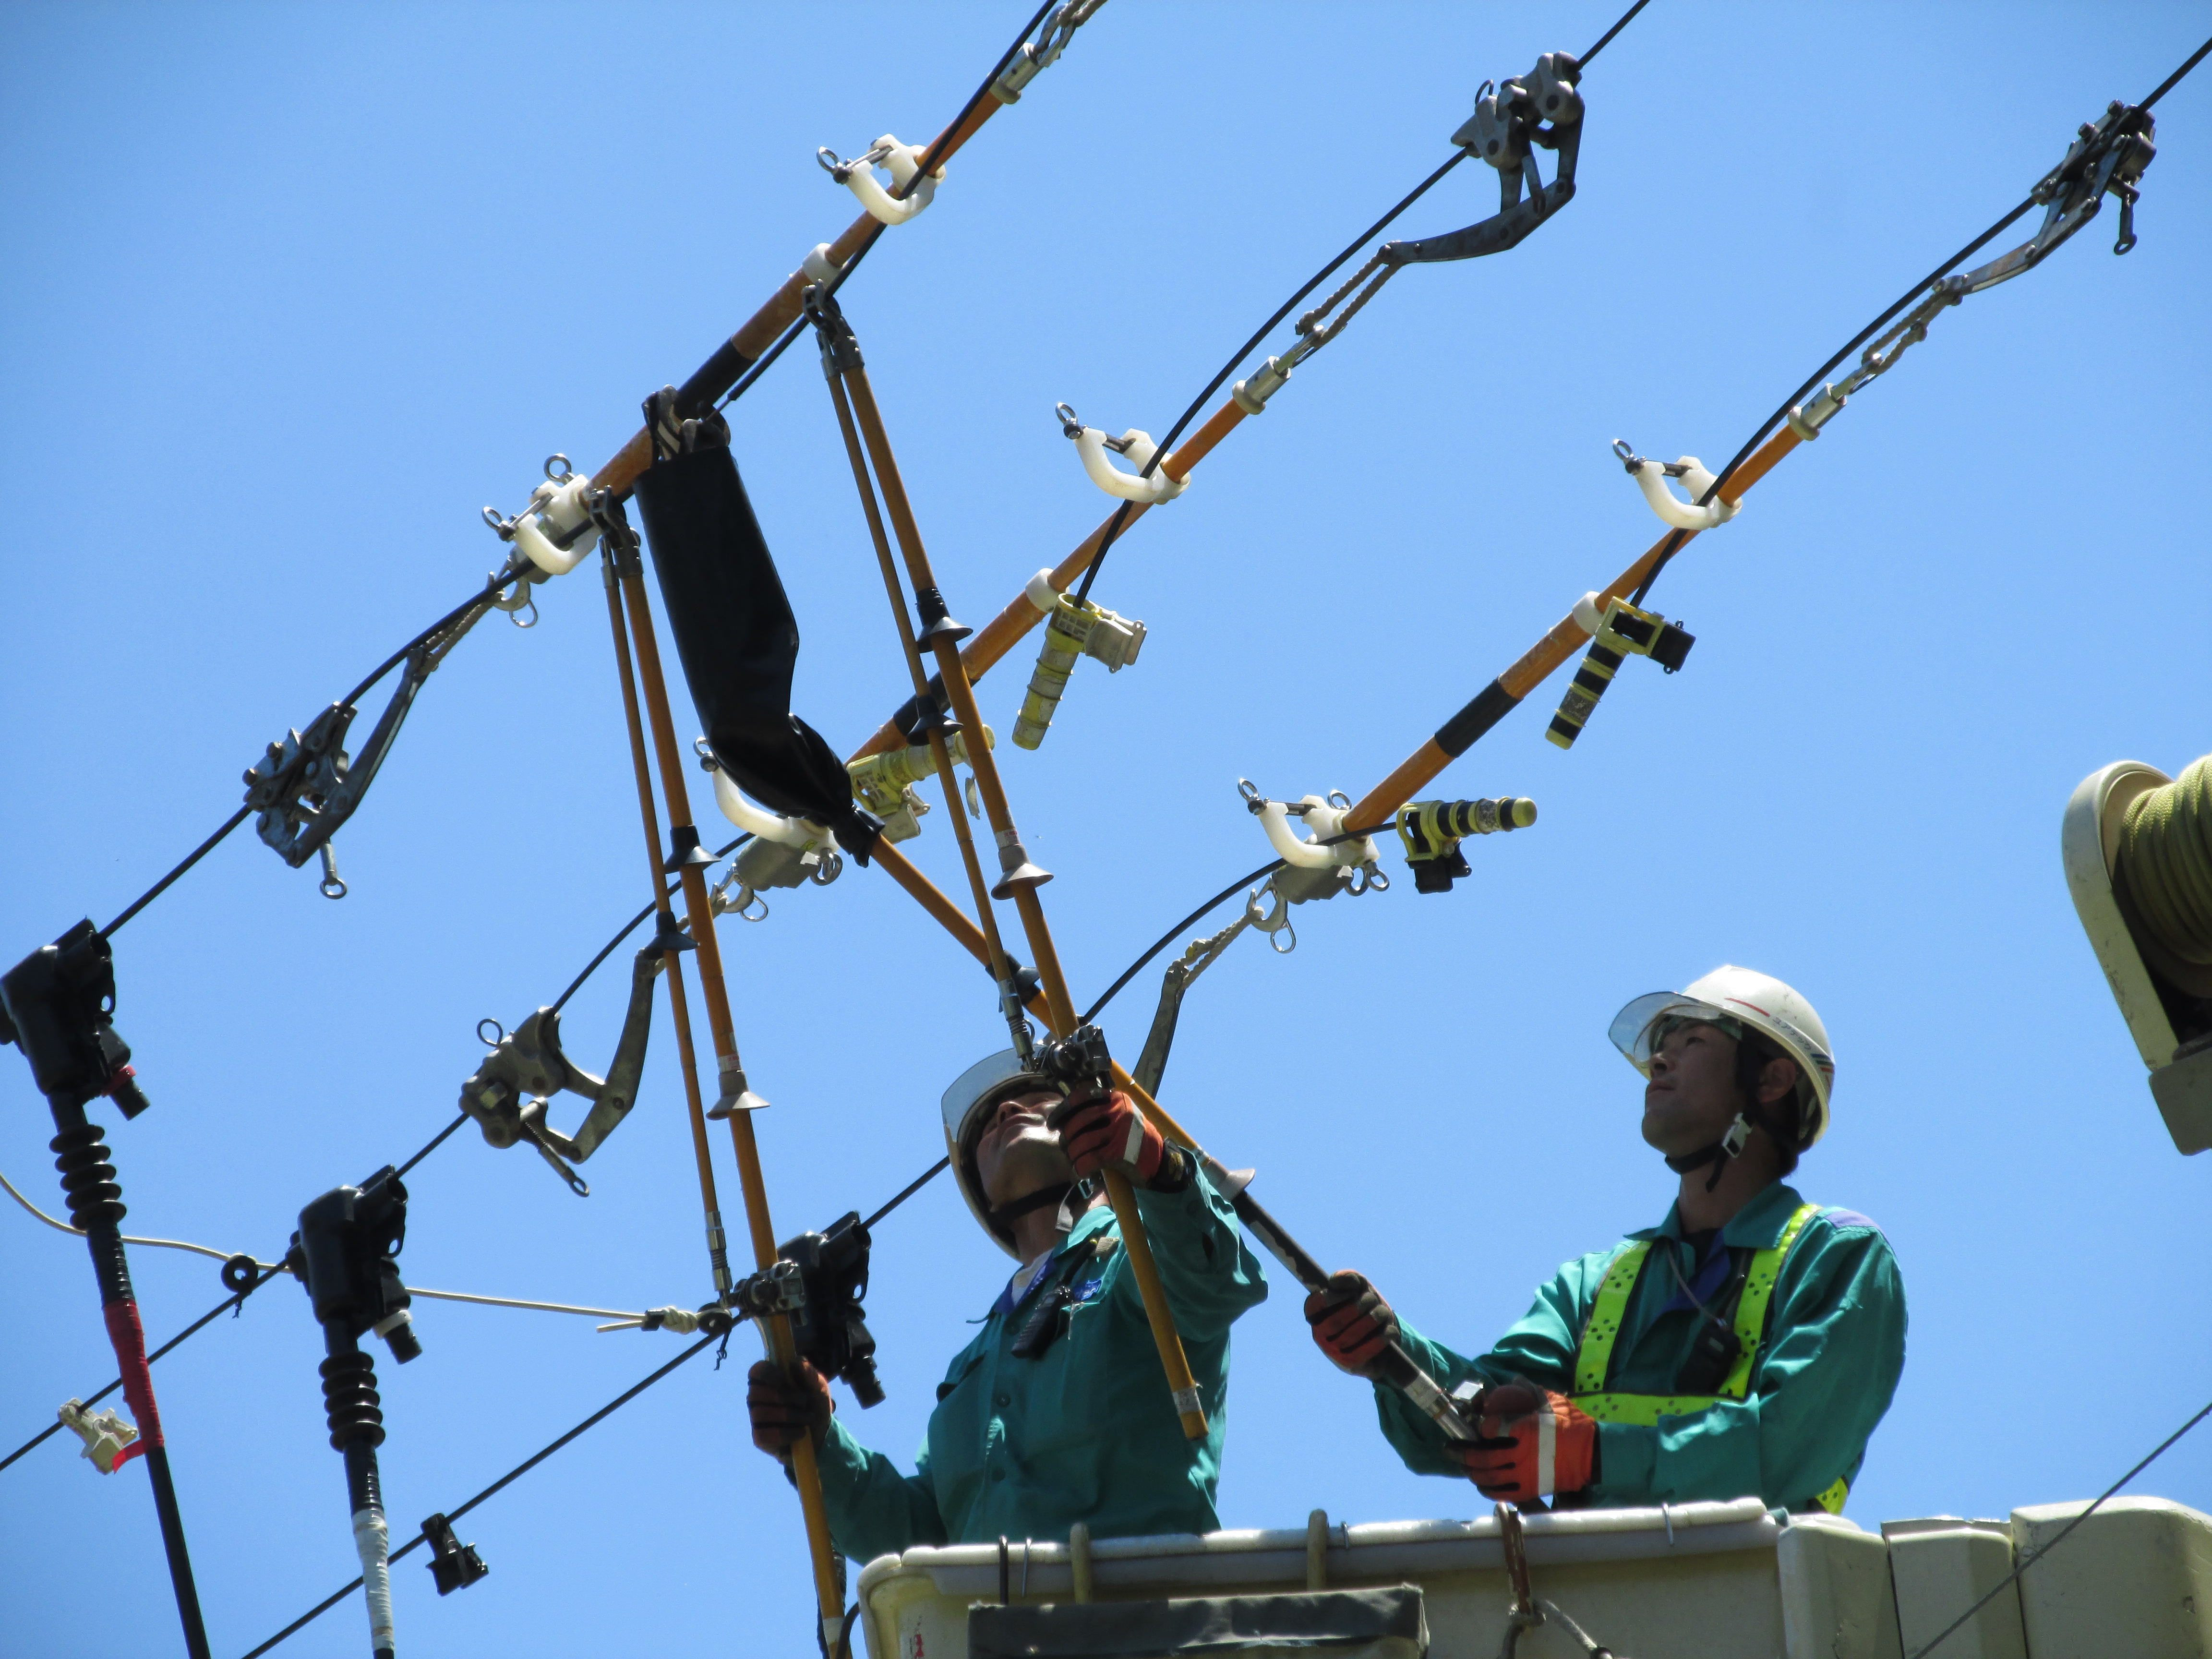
1018, 1154
1692, 1095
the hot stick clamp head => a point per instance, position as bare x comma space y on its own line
57, 1006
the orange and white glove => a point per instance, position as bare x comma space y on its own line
782, 1410
1533, 1445
1107, 1132
1351, 1323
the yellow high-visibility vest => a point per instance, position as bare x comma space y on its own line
1594, 1354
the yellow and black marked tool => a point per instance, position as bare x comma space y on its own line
884, 782
1432, 831
1074, 628
1622, 631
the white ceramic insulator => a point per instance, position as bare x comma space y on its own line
1307, 854
1042, 593
557, 508
759, 821
903, 160
1589, 613
1141, 449
1652, 480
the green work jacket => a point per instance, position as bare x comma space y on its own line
1085, 1431
1821, 1377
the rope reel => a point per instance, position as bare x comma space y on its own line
1075, 628
1150, 485
2138, 855
1432, 831
1616, 633
903, 163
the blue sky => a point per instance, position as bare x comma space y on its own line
290, 293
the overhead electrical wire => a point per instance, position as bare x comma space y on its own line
1167, 444
1916, 291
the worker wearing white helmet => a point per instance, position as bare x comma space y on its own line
1747, 1345
1058, 1411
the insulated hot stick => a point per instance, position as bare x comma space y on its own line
54, 1006
1399, 1368
699, 911
1021, 878
838, 346
620, 552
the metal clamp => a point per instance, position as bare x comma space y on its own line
553, 532
2108, 157
902, 161
1034, 57
1149, 484
1696, 514
107, 1439
1540, 110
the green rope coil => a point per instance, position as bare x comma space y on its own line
2164, 867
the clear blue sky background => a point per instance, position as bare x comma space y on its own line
289, 293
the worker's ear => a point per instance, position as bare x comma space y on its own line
1776, 1080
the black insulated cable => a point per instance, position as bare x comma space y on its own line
1168, 938
1907, 297
1167, 444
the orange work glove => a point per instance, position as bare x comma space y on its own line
1533, 1445
1107, 1132
1351, 1323
782, 1410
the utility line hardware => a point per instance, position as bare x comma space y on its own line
1150, 483
786, 851
551, 536
507, 1095
1038, 55
1432, 830
1700, 512
453, 1564
345, 1253
109, 1442
823, 1296
909, 195
884, 782
1319, 866
1076, 628
1616, 633
1540, 110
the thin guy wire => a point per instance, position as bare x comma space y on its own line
2037, 1555
631, 927
1606, 40
519, 1469
1169, 937
162, 886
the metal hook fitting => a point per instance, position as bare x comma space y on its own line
330, 886
565, 473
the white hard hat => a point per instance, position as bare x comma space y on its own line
1742, 998
985, 1082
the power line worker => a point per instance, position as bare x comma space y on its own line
1747, 1345
1057, 1411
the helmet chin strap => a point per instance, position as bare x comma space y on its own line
1722, 1153
1056, 1194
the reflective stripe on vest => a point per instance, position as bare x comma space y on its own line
1593, 1356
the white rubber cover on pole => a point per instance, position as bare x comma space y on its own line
1651, 479
1091, 443
759, 821
371, 1541
903, 160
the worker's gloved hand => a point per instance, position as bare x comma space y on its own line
1105, 1131
782, 1410
1534, 1443
1351, 1323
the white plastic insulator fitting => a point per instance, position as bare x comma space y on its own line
1042, 593
1129, 486
759, 821
1589, 613
1651, 478
1326, 822
819, 266
556, 531
903, 162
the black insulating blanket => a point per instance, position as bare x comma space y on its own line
738, 641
